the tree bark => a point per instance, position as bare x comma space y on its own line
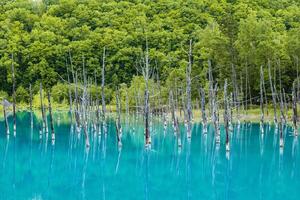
51, 118
14, 92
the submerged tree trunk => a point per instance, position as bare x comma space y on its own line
118, 123
42, 108
51, 118
175, 120
5, 118
146, 113
30, 104
146, 75
226, 117
204, 119
216, 114
295, 116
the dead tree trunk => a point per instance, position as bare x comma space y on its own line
146, 114
84, 106
266, 99
77, 111
226, 117
146, 74
30, 104
211, 88
102, 86
5, 117
70, 94
298, 82
215, 117
127, 104
51, 118
204, 119
273, 92
261, 100
188, 92
281, 143
136, 101
118, 123
42, 107
97, 106
14, 92
295, 116
175, 120
76, 100
235, 93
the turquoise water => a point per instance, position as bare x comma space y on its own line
33, 168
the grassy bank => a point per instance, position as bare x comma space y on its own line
251, 115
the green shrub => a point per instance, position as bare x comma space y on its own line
3, 95
22, 95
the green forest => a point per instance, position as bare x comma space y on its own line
42, 39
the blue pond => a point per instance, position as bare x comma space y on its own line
33, 168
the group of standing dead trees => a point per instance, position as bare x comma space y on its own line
87, 113
6, 104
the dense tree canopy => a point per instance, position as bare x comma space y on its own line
42, 35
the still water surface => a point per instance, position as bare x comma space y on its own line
33, 168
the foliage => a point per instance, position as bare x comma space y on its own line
42, 35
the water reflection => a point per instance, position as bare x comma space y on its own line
255, 168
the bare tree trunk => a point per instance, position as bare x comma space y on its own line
298, 82
215, 114
51, 118
30, 103
211, 88
175, 120
160, 110
235, 93
70, 93
77, 111
5, 117
285, 105
146, 113
14, 92
146, 75
127, 104
84, 106
226, 118
266, 99
103, 85
136, 101
183, 106
42, 107
261, 100
273, 92
97, 106
76, 100
118, 123
295, 116
281, 143
188, 92
204, 119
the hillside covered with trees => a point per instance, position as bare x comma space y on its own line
43, 38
